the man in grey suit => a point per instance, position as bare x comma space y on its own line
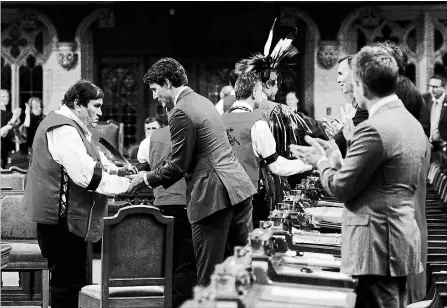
381, 241
219, 191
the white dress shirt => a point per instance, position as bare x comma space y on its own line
178, 94
264, 145
382, 102
67, 149
435, 113
143, 150
220, 107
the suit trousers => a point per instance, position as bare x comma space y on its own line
184, 262
211, 235
381, 292
67, 260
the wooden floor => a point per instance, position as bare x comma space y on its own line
11, 278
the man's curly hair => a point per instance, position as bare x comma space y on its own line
166, 68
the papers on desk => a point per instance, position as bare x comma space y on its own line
308, 296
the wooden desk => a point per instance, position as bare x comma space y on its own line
5, 251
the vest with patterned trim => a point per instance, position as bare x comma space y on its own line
238, 126
45, 197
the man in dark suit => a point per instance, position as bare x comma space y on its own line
219, 191
377, 180
436, 100
344, 78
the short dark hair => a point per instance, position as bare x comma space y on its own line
399, 55
84, 91
407, 92
245, 84
166, 68
377, 70
440, 77
349, 58
153, 119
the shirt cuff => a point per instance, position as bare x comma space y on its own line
323, 164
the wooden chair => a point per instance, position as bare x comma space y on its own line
25, 257
13, 178
112, 131
136, 261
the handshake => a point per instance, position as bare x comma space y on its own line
136, 178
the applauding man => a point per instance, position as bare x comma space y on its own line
377, 181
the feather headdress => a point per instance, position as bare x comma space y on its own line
266, 64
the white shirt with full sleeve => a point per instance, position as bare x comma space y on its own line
143, 150
264, 145
67, 149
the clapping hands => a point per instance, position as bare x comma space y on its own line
318, 149
331, 126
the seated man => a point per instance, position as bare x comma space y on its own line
150, 125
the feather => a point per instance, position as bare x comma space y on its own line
116, 154
269, 40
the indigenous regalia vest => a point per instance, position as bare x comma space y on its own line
51, 197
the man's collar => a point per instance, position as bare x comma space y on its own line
65, 111
382, 102
181, 89
242, 104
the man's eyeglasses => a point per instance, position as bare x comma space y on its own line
434, 87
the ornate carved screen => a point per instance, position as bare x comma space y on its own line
119, 80
421, 31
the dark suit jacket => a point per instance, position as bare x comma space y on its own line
360, 116
378, 183
202, 153
443, 117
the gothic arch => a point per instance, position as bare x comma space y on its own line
311, 46
84, 42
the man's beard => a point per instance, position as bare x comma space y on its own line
169, 104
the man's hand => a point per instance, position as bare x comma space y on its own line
331, 127
15, 115
348, 129
137, 183
310, 155
5, 130
127, 170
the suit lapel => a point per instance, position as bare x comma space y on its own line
444, 104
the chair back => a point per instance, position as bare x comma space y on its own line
13, 178
137, 249
15, 224
112, 131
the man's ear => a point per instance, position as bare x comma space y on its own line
168, 83
76, 104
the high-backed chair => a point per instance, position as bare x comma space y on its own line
25, 257
112, 131
136, 261
13, 178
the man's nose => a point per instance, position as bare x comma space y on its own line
99, 112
